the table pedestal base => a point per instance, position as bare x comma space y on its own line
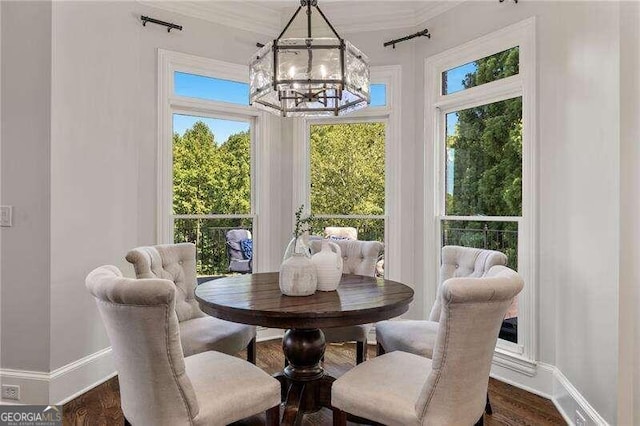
305, 387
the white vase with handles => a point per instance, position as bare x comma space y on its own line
328, 262
298, 276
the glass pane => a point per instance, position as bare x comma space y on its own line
213, 255
378, 94
500, 236
485, 70
213, 89
348, 168
484, 160
211, 166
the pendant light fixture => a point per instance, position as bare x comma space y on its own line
312, 76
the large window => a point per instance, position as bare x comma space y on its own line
347, 168
206, 152
348, 165
479, 97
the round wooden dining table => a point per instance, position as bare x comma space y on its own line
256, 299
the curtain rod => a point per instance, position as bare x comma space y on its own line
169, 25
423, 33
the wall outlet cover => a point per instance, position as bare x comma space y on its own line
11, 392
6, 215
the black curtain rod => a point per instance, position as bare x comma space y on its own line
169, 25
423, 33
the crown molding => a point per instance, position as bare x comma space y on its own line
267, 18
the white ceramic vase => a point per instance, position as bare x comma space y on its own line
298, 276
328, 262
297, 245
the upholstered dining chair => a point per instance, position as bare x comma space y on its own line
400, 388
198, 332
359, 258
418, 337
158, 386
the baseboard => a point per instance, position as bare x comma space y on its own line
265, 334
569, 401
62, 384
77, 377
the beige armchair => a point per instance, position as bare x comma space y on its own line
401, 388
158, 386
359, 258
199, 332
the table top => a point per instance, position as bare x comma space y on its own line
256, 299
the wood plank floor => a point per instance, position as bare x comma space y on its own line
511, 406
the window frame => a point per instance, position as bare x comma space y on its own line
521, 356
169, 104
389, 114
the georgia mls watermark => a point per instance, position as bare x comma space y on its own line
30, 415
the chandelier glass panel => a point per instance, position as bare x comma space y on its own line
319, 76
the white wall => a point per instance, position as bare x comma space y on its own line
629, 316
578, 146
26, 124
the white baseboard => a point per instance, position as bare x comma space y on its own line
264, 334
62, 384
568, 401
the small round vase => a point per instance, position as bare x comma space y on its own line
328, 262
298, 276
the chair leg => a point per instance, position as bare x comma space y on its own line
487, 407
480, 422
339, 417
379, 350
251, 351
361, 351
273, 416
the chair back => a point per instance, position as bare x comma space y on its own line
140, 319
471, 314
346, 232
460, 261
173, 262
359, 257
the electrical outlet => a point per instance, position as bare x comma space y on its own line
6, 214
11, 392
580, 420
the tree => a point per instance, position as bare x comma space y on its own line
209, 177
487, 143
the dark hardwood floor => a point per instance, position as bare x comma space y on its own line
511, 406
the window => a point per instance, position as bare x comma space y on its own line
211, 176
480, 100
347, 165
207, 148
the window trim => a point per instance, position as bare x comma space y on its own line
519, 357
391, 115
169, 103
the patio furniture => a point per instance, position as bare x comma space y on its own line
158, 386
401, 388
341, 232
198, 331
239, 250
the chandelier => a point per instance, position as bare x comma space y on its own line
320, 76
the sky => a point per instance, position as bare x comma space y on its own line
197, 86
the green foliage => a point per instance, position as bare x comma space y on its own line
208, 178
347, 168
487, 180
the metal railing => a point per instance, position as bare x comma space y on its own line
504, 240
